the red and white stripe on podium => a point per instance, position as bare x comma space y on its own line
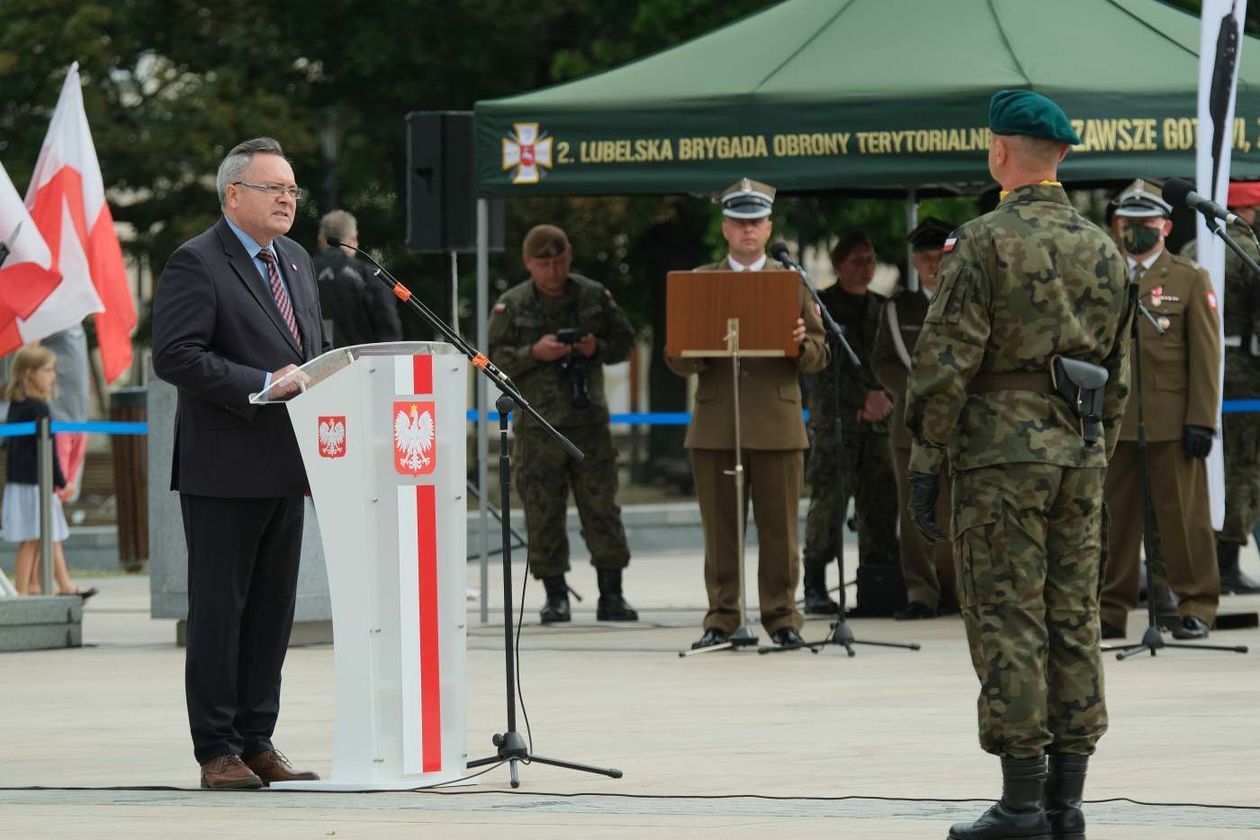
418, 587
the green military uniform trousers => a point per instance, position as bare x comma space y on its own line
1029, 551
1179, 496
772, 480
927, 568
866, 473
1240, 435
544, 473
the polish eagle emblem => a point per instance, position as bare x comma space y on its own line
414, 436
332, 437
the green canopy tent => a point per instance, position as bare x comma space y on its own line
886, 94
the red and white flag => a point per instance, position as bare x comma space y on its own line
67, 201
26, 274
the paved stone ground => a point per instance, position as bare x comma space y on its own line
727, 745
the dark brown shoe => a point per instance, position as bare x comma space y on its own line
228, 772
272, 766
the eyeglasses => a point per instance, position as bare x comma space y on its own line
295, 193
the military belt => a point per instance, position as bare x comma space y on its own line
986, 382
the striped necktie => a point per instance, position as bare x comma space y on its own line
282, 297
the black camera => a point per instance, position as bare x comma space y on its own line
572, 368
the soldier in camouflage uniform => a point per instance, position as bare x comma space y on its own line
1240, 312
865, 459
564, 380
1031, 281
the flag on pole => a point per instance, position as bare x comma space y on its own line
66, 198
1220, 37
27, 274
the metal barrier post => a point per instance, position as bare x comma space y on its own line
44, 455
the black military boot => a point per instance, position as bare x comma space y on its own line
556, 609
817, 601
612, 606
1019, 814
1233, 581
1065, 787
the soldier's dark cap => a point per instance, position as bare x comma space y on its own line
544, 242
1139, 203
930, 234
1030, 114
747, 199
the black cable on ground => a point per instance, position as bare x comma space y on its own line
439, 789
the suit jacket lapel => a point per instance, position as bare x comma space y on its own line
245, 269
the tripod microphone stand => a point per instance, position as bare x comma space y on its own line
512, 747
1152, 639
841, 634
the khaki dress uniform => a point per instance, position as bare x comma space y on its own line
772, 433
1180, 372
927, 568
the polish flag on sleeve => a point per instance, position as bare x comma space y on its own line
26, 271
67, 201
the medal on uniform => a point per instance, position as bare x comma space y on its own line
1163, 322
1157, 295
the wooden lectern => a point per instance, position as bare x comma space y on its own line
732, 315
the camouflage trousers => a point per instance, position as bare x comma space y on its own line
1028, 551
1241, 439
868, 479
544, 473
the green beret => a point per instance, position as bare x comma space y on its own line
1028, 113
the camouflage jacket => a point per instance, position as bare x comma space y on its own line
522, 316
1028, 281
859, 316
1240, 314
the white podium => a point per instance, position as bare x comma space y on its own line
381, 428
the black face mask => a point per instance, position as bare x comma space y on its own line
1139, 239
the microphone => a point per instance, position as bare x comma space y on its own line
1178, 191
779, 250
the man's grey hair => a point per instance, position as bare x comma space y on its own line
338, 223
240, 156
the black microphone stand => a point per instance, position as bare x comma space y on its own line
511, 746
1152, 640
840, 633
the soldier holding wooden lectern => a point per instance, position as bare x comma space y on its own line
770, 432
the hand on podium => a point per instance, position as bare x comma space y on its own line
798, 332
282, 387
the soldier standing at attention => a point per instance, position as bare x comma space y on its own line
772, 437
1180, 398
1240, 433
927, 568
866, 469
1021, 373
553, 334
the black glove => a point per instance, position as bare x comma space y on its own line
1197, 440
924, 488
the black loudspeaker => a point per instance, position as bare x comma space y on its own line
441, 184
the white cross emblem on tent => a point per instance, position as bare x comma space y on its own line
524, 149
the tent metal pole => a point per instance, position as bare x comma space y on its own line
912, 222
483, 441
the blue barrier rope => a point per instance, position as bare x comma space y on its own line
99, 427
637, 418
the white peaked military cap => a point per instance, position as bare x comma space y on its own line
747, 199
1140, 201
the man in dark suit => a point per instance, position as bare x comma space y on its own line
236, 311
359, 308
